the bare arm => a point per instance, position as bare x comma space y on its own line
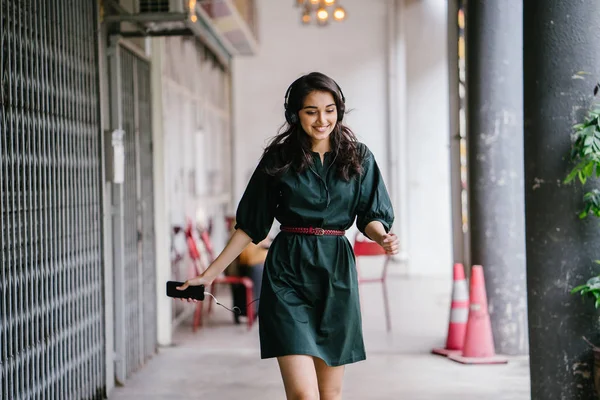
237, 243
376, 232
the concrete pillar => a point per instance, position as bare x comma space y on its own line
495, 142
561, 66
162, 227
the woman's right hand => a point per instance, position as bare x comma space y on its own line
197, 281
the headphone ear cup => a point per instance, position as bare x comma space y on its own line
341, 112
291, 117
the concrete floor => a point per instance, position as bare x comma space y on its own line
222, 361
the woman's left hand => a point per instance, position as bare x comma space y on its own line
390, 243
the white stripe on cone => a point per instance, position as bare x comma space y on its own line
460, 292
459, 315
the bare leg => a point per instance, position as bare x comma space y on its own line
299, 377
330, 380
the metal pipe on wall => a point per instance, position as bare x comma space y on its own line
458, 236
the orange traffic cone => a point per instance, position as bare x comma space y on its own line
478, 347
459, 314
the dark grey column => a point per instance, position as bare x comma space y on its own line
495, 142
561, 67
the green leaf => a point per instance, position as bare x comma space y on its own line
589, 130
589, 170
577, 289
572, 175
594, 282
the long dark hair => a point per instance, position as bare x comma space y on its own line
292, 148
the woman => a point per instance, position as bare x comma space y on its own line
316, 179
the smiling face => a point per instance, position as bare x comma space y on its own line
318, 116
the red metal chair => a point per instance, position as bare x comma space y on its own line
196, 268
364, 247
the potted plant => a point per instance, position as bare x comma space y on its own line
585, 153
591, 288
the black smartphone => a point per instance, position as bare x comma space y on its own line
192, 292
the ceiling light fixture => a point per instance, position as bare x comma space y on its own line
320, 11
339, 14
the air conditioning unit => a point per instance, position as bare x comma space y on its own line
153, 6
150, 17
142, 18
216, 22
160, 6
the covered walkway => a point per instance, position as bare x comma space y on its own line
222, 362
124, 121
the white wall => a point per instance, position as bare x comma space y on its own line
427, 164
355, 53
192, 155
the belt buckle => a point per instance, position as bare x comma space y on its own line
319, 231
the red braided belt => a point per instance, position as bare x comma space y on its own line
313, 231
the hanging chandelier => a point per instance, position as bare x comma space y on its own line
320, 11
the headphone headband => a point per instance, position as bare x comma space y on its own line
289, 90
292, 117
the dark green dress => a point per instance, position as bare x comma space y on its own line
309, 302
